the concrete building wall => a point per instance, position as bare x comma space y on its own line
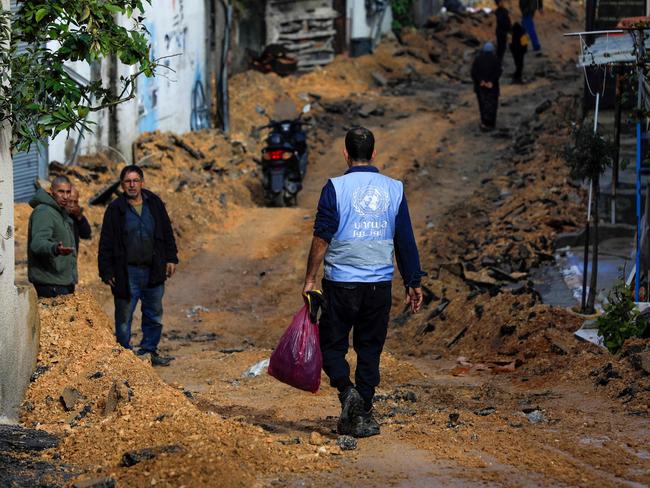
367, 25
19, 331
167, 102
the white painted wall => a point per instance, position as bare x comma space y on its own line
18, 317
177, 29
363, 26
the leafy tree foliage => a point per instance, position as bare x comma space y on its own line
43, 99
589, 154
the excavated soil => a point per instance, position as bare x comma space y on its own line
487, 386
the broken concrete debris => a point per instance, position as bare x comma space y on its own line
346, 442
69, 398
131, 458
118, 393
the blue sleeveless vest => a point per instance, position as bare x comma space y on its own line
362, 248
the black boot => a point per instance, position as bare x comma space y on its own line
365, 425
351, 409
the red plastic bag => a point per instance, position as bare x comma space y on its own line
297, 359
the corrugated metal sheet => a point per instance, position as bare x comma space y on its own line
27, 165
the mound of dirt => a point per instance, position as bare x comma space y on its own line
111, 409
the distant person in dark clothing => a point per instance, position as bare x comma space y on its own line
528, 9
51, 257
518, 48
137, 253
486, 71
81, 226
503, 28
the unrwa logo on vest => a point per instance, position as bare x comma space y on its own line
370, 200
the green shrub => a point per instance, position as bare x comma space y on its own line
402, 14
620, 320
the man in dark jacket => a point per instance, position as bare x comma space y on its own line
362, 223
486, 71
137, 252
81, 226
51, 258
528, 9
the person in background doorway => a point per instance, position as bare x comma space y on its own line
503, 28
528, 9
486, 71
518, 48
51, 257
81, 226
137, 253
362, 222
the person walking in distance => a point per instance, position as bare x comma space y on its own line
486, 71
503, 28
80, 224
528, 9
362, 222
51, 257
518, 48
137, 253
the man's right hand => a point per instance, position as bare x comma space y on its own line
414, 298
61, 250
111, 281
309, 286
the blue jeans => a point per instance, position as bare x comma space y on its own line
151, 306
529, 24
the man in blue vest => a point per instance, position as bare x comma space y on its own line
361, 223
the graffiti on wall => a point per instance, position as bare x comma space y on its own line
148, 94
180, 77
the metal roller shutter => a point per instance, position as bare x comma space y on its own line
28, 166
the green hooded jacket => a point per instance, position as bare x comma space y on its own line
49, 224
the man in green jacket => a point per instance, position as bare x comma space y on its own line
51, 257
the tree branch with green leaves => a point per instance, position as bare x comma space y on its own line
41, 98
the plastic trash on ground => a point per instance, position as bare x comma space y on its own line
297, 360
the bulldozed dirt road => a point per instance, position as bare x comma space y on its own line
249, 278
526, 405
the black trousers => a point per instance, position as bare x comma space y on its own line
488, 104
364, 309
518, 57
51, 291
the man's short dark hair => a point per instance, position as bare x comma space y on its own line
360, 144
60, 180
131, 168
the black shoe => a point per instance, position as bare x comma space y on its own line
157, 360
351, 408
365, 425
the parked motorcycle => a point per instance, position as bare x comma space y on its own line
284, 159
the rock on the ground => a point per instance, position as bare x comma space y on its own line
95, 483
346, 442
315, 439
69, 397
131, 458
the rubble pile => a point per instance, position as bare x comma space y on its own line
111, 411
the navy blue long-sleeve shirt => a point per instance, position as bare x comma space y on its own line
406, 251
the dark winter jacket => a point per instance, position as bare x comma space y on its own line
503, 21
529, 7
518, 46
49, 224
486, 68
82, 230
112, 244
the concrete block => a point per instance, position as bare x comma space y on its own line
19, 342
